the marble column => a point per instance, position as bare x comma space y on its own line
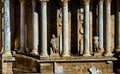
118, 26
100, 23
7, 32
65, 50
35, 28
108, 51
43, 52
22, 26
87, 29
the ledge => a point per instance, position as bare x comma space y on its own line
8, 59
68, 59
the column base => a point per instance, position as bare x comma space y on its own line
101, 50
7, 53
44, 55
117, 49
65, 54
86, 54
21, 50
7, 63
108, 54
35, 52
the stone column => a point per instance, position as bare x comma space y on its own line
118, 26
100, 23
7, 58
7, 32
22, 26
43, 52
108, 51
35, 28
87, 29
65, 50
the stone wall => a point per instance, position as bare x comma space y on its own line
70, 66
78, 67
29, 65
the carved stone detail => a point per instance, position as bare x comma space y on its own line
80, 20
93, 70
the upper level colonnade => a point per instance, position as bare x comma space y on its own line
40, 39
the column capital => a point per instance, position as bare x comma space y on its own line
107, 2
86, 2
33, 2
44, 2
22, 0
65, 2
100, 1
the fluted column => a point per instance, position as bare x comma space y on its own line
43, 52
87, 28
108, 51
100, 23
7, 32
35, 28
65, 50
22, 26
118, 26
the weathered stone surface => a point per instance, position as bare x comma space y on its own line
52, 9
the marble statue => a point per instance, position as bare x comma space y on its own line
54, 49
96, 44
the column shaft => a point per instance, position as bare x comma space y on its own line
87, 29
100, 22
35, 28
108, 51
7, 33
118, 17
65, 30
22, 26
44, 29
118, 26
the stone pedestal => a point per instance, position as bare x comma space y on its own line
78, 65
7, 64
